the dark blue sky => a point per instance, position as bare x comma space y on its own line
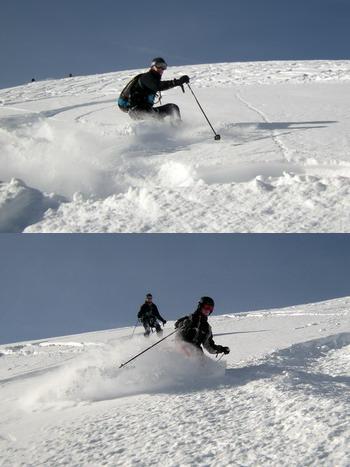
59, 284
41, 38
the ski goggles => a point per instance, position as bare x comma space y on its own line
160, 66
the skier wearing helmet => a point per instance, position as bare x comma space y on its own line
139, 95
195, 329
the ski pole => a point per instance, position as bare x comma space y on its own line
217, 137
137, 322
153, 345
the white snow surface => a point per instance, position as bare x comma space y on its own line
281, 397
282, 165
21, 205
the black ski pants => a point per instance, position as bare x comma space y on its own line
160, 112
149, 323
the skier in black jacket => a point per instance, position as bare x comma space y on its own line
149, 316
139, 95
195, 329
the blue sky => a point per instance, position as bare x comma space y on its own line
41, 38
54, 285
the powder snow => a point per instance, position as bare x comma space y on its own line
282, 165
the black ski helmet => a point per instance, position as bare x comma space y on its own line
205, 301
149, 295
159, 61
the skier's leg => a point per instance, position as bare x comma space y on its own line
166, 110
147, 328
139, 114
159, 330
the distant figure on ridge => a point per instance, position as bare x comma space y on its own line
196, 331
139, 95
149, 316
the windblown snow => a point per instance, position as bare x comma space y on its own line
282, 165
281, 397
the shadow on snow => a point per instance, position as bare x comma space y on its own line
244, 132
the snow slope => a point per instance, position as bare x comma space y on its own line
281, 397
282, 165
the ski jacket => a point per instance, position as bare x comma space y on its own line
149, 313
141, 91
196, 330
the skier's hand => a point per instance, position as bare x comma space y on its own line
222, 349
164, 321
182, 80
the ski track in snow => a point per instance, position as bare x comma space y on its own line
283, 400
282, 164
274, 136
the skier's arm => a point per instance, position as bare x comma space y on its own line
164, 85
152, 85
157, 314
211, 347
141, 312
149, 83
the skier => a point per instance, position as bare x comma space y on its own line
149, 316
139, 95
195, 329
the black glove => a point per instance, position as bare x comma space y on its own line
164, 321
222, 349
181, 81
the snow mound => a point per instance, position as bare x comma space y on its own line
21, 205
290, 203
